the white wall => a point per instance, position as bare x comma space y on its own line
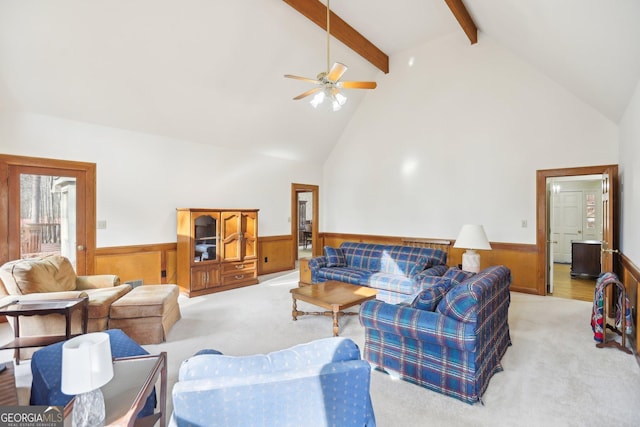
630, 179
142, 179
454, 134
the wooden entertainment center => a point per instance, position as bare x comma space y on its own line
216, 250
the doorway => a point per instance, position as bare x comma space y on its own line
574, 205
48, 207
575, 230
304, 220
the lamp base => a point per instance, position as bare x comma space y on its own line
471, 261
88, 409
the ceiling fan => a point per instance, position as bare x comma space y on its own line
328, 82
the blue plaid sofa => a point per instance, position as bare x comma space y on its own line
398, 272
453, 348
320, 383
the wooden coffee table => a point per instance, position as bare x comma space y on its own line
334, 296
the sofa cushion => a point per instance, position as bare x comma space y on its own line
100, 299
362, 256
49, 274
344, 274
391, 282
403, 260
335, 257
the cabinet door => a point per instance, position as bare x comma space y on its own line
205, 235
231, 236
249, 235
205, 277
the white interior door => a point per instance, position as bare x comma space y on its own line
568, 223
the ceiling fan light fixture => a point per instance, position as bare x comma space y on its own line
338, 101
317, 99
335, 98
328, 82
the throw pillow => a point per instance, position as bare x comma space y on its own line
457, 276
418, 266
335, 257
429, 298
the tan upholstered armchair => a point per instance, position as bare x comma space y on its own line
53, 277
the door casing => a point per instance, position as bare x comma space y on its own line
85, 174
314, 190
610, 222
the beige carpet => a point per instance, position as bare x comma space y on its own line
553, 373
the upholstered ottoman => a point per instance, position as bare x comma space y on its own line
147, 313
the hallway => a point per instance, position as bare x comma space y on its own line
564, 286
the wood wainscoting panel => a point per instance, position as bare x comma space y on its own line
157, 263
153, 264
131, 267
275, 254
520, 258
171, 266
629, 274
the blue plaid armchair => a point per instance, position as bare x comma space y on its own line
321, 383
450, 340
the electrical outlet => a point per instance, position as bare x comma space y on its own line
101, 224
523, 223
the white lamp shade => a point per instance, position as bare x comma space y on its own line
86, 363
472, 237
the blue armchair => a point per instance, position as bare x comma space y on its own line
321, 383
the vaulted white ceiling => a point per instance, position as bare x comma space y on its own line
212, 71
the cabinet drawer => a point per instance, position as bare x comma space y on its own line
238, 267
239, 277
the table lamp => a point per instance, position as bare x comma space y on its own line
87, 366
471, 238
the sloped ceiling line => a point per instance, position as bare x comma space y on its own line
317, 13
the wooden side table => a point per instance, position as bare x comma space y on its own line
19, 308
305, 272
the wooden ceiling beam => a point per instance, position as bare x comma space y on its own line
317, 13
464, 19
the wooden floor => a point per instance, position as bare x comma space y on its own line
566, 287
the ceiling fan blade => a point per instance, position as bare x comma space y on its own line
357, 85
337, 70
306, 79
307, 93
